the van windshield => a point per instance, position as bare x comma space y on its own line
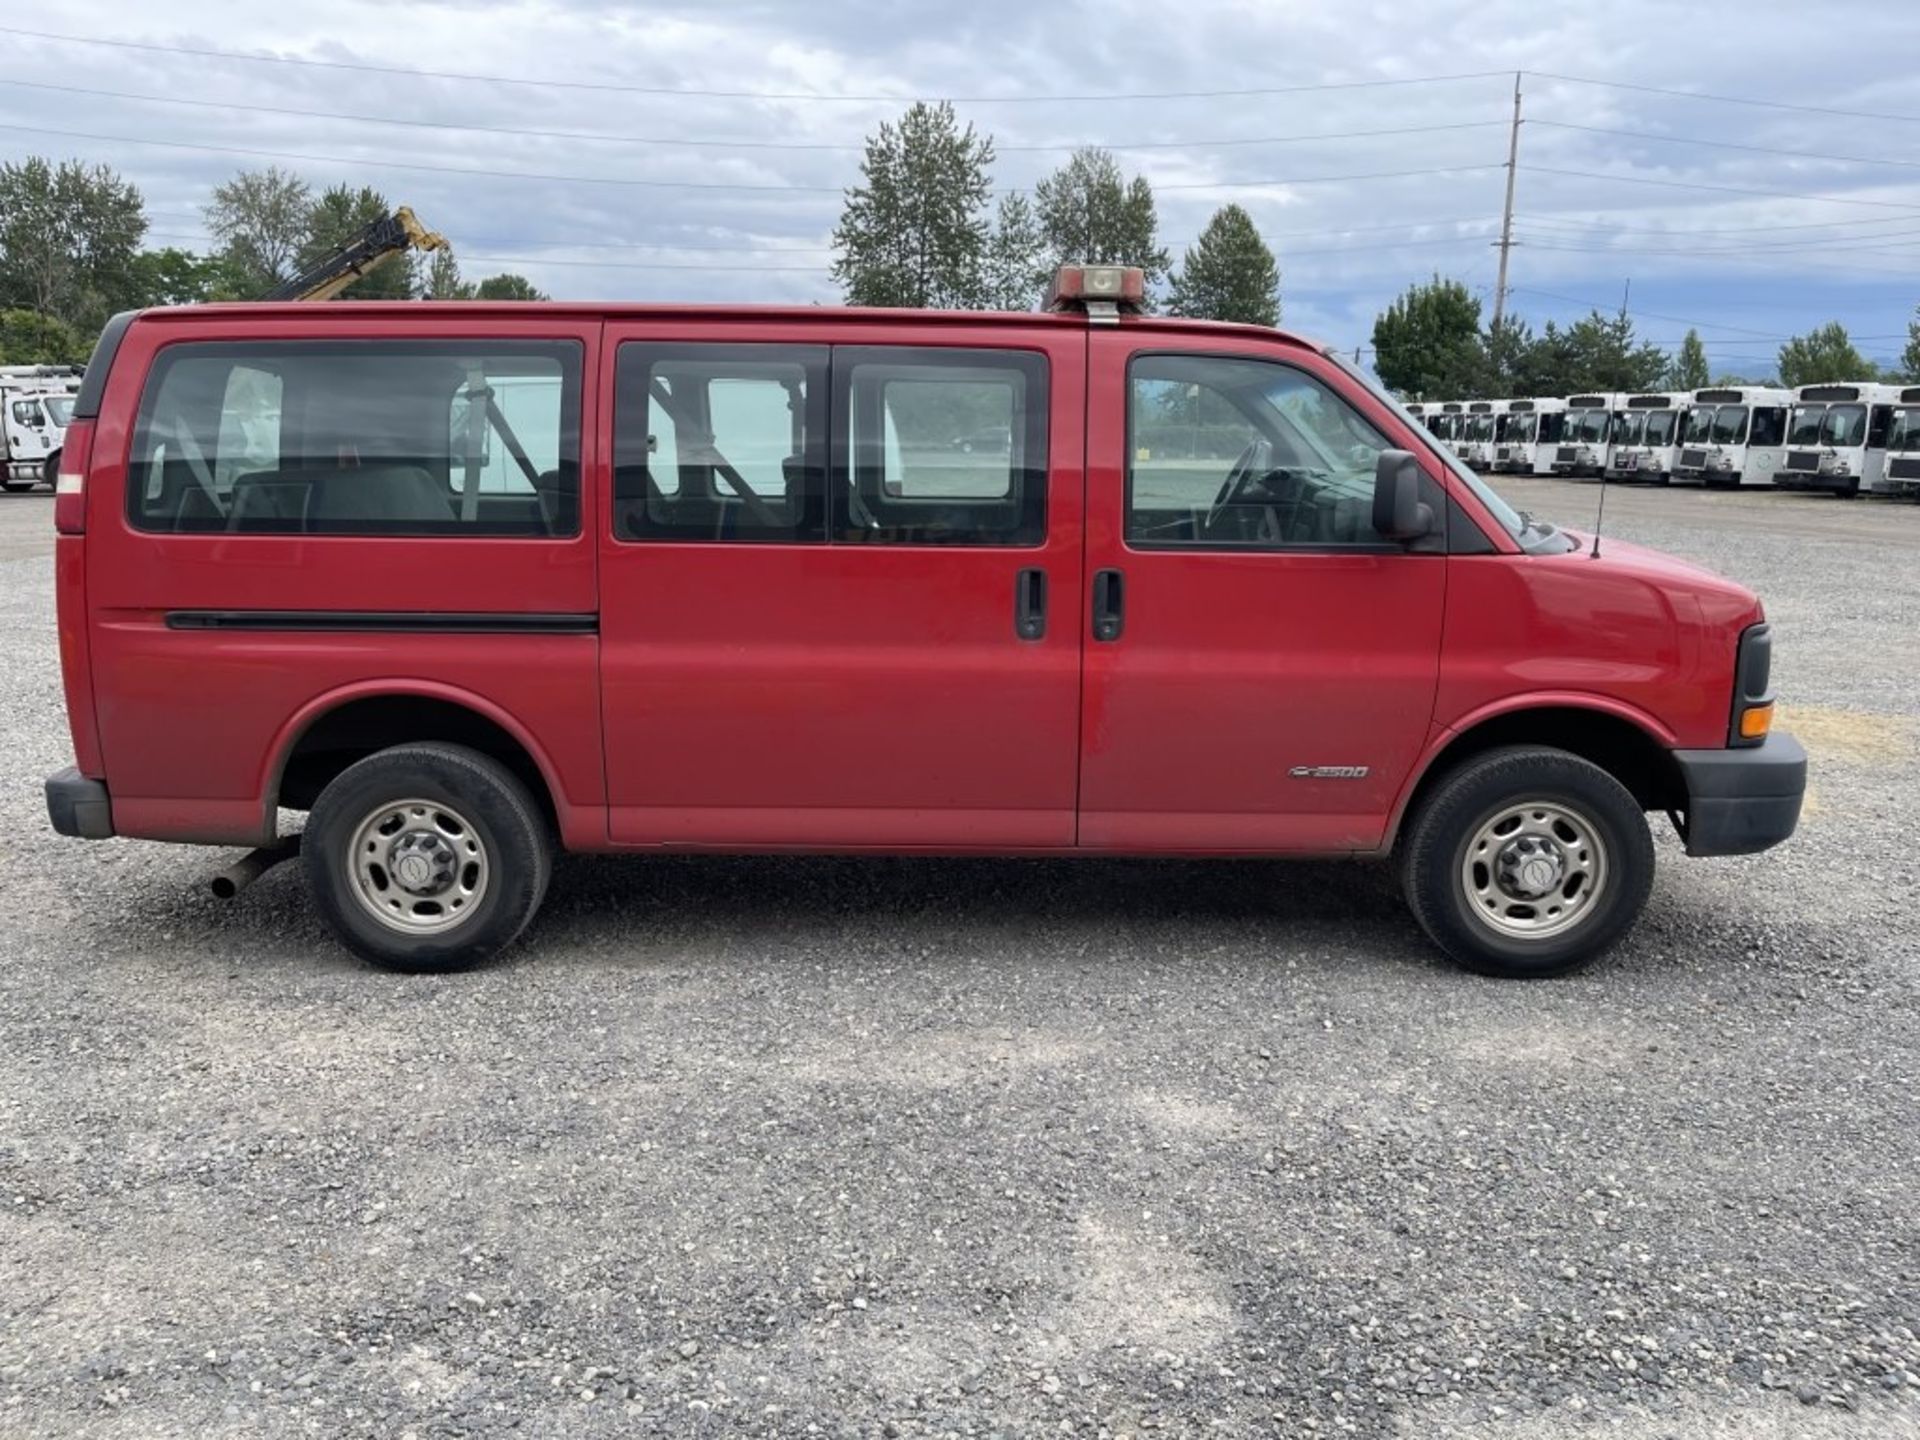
1480, 427
1660, 427
1730, 425
1630, 429
1699, 426
1805, 429
60, 407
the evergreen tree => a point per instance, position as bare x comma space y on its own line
1426, 344
1016, 269
1689, 368
1826, 354
914, 231
1910, 357
1229, 273
1090, 213
443, 280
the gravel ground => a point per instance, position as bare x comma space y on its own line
925, 1147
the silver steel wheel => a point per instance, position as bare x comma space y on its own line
1533, 870
418, 866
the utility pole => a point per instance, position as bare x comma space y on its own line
1505, 244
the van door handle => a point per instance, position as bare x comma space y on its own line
1030, 604
1109, 604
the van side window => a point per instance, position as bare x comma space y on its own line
942, 447
720, 442
373, 437
1244, 455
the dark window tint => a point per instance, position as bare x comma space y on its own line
942, 447
1769, 424
720, 442
1245, 454
360, 438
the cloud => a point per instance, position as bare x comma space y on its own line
568, 211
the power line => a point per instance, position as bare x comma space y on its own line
811, 95
671, 140
1649, 314
1911, 206
1563, 220
1727, 145
1725, 99
675, 184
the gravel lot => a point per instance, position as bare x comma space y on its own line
900, 1148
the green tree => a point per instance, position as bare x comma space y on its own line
1090, 213
1426, 344
68, 237
1688, 369
1016, 267
914, 231
1825, 354
1229, 273
261, 219
1910, 357
508, 287
28, 337
1606, 357
1510, 361
179, 277
333, 220
443, 280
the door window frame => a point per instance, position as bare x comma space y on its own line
1432, 492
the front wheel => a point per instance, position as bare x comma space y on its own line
50, 472
427, 857
1527, 862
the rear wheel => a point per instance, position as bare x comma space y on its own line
427, 857
1527, 862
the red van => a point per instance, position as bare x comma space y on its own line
467, 582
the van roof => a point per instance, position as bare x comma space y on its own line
417, 310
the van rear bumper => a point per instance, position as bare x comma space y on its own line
1740, 802
79, 807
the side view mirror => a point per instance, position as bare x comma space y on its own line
1398, 511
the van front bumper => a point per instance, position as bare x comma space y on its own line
1743, 801
79, 807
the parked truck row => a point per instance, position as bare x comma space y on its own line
1842, 438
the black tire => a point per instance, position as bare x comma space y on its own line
1434, 862
50, 472
493, 810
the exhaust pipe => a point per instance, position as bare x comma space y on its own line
251, 866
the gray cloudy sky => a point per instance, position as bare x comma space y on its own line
756, 174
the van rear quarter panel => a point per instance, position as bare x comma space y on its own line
193, 723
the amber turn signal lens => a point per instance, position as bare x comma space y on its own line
1755, 721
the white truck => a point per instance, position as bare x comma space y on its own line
1526, 436
1837, 438
1733, 436
1902, 475
1646, 434
1586, 445
35, 403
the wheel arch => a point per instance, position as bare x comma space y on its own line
1629, 744
333, 730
